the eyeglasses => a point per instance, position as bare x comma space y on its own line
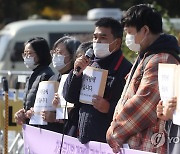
58, 51
28, 54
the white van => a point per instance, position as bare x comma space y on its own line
13, 36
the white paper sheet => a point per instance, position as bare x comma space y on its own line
169, 86
43, 101
60, 92
60, 113
91, 84
36, 119
176, 115
166, 77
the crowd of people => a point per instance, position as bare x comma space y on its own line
131, 109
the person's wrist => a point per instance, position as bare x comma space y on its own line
58, 121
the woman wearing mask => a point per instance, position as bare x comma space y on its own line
62, 59
36, 57
70, 126
62, 54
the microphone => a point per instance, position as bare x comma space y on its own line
89, 54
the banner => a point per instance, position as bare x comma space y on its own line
40, 141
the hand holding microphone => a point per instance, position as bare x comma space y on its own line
82, 62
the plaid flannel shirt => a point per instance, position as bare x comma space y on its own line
135, 119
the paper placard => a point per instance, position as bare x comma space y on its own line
166, 81
22, 78
176, 114
60, 110
36, 119
60, 92
61, 113
169, 86
94, 82
43, 101
1, 78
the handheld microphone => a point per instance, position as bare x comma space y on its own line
88, 54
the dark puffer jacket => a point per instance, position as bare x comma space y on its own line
92, 123
41, 73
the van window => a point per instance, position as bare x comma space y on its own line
16, 54
4, 40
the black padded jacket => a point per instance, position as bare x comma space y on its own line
93, 124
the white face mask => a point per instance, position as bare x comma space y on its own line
58, 61
101, 50
30, 63
130, 43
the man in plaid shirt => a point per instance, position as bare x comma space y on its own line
135, 121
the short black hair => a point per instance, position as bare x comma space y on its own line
143, 14
71, 44
42, 50
84, 46
115, 25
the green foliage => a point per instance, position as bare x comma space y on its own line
168, 28
18, 9
130, 55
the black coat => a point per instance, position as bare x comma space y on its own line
41, 73
92, 123
69, 127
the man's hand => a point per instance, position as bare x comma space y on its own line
100, 104
81, 62
166, 112
116, 148
159, 110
